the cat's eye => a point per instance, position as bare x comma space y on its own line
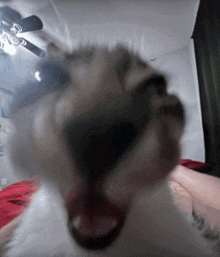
154, 85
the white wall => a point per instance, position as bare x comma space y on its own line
182, 80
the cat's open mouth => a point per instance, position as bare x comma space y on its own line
94, 222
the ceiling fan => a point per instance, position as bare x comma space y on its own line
12, 23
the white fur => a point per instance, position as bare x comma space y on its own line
154, 227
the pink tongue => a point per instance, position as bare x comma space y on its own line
98, 226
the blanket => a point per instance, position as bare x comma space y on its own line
15, 198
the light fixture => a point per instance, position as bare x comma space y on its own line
12, 24
37, 76
10, 49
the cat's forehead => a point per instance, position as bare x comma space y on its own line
88, 55
99, 60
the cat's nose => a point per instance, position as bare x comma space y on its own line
97, 140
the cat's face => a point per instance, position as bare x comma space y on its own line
101, 129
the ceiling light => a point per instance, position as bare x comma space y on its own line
10, 49
37, 76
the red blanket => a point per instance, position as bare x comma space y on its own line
15, 198
195, 165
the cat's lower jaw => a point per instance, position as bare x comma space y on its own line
43, 231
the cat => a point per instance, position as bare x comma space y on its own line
99, 129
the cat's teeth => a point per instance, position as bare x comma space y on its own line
97, 227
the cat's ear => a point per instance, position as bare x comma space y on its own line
54, 53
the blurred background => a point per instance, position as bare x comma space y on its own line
160, 31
